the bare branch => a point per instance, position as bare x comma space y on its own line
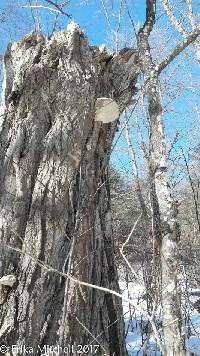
190, 14
178, 49
95, 339
135, 168
65, 275
175, 22
41, 7
155, 331
179, 27
126, 242
106, 16
192, 188
150, 18
58, 7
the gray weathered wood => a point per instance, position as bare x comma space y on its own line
54, 191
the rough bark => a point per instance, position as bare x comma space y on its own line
164, 211
54, 192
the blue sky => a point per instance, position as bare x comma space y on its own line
90, 15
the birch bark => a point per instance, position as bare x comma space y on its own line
164, 215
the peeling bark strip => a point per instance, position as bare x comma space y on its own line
53, 159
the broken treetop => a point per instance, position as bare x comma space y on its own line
115, 74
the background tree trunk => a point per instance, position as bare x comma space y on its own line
54, 191
166, 227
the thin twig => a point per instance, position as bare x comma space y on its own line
155, 331
89, 332
178, 49
125, 243
65, 275
193, 190
40, 7
59, 7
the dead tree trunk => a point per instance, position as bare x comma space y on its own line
54, 193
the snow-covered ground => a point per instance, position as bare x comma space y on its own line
136, 320
194, 340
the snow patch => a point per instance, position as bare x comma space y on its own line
102, 48
72, 27
136, 320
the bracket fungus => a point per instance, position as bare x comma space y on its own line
106, 110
